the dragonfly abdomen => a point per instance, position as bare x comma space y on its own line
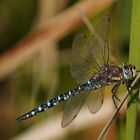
45, 106
88, 86
51, 103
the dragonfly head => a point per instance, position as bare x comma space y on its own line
129, 71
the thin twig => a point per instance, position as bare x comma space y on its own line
109, 123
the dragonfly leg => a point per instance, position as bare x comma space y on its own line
114, 102
129, 89
128, 86
114, 90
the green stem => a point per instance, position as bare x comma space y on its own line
134, 59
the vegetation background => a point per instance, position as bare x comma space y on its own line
35, 49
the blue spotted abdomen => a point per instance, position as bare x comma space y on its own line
88, 86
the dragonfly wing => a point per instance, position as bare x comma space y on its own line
83, 64
102, 29
99, 41
72, 108
95, 100
90, 55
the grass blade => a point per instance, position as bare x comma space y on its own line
134, 59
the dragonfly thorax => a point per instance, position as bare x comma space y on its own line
128, 71
109, 74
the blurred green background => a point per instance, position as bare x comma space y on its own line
46, 72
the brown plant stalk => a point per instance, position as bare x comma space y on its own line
55, 29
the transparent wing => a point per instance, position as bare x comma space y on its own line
102, 30
95, 100
83, 64
90, 55
72, 108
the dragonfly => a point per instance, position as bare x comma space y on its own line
91, 69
